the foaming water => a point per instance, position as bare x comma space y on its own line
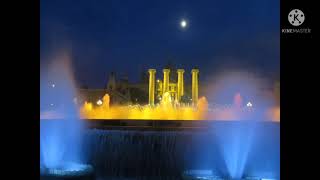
168, 110
165, 110
60, 137
234, 96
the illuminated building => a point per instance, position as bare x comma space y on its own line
149, 90
176, 90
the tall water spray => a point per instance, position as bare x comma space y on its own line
60, 135
241, 141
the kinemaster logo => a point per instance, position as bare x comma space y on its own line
296, 19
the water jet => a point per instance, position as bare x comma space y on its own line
61, 138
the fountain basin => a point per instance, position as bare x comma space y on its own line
162, 150
68, 171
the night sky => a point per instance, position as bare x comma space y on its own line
129, 36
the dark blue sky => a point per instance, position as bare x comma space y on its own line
128, 36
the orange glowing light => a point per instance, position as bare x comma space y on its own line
165, 110
274, 114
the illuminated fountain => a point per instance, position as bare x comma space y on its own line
165, 110
232, 149
170, 106
239, 145
236, 140
61, 139
242, 143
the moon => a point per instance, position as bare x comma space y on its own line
183, 23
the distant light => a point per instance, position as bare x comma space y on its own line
249, 104
51, 104
158, 80
183, 23
99, 102
53, 85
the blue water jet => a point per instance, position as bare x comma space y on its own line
60, 134
241, 142
235, 142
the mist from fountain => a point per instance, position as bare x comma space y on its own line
61, 137
239, 141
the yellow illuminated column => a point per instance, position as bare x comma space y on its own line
166, 80
152, 73
195, 87
180, 84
